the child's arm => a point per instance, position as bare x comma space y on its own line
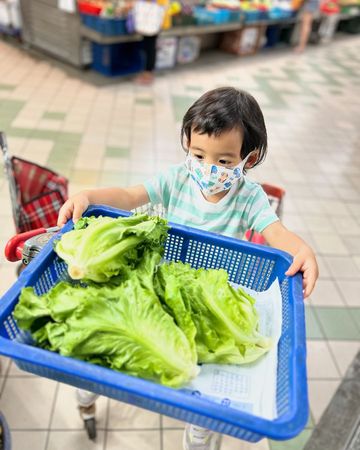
304, 258
123, 198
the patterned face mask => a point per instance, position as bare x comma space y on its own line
211, 178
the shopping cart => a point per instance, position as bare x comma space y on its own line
36, 193
26, 246
275, 195
254, 266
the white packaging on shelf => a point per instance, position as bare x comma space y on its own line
188, 49
166, 48
15, 14
5, 20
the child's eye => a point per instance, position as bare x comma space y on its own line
224, 162
199, 156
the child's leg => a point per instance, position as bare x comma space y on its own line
305, 29
198, 438
85, 398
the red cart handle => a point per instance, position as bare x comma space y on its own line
14, 247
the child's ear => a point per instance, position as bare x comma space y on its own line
252, 158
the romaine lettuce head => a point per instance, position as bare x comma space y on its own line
123, 327
225, 319
103, 247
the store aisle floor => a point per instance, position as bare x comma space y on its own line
121, 134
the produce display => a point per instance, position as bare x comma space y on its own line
127, 311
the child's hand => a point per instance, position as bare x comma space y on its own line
305, 262
73, 208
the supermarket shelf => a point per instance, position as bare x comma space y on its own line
269, 22
95, 36
99, 38
202, 29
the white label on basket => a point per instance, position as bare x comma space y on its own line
251, 387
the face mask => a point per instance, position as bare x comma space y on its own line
211, 178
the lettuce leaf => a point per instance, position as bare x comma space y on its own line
100, 248
123, 327
225, 319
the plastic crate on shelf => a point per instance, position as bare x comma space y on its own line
252, 15
247, 264
279, 13
106, 26
235, 15
245, 41
206, 16
117, 59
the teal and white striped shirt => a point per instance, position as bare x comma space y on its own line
244, 207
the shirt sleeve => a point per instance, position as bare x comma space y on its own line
159, 187
261, 214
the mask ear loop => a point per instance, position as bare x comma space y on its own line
244, 161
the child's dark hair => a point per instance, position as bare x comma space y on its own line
224, 109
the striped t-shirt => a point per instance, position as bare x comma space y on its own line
244, 207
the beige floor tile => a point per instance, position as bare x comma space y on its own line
116, 164
343, 267
326, 294
172, 440
66, 413
323, 268
169, 422
320, 362
133, 440
34, 440
93, 162
27, 402
350, 291
125, 416
344, 352
48, 124
230, 443
4, 365
74, 440
320, 395
329, 244
7, 278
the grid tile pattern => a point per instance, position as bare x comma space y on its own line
120, 134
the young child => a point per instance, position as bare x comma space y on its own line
223, 134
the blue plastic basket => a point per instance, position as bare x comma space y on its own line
206, 16
247, 264
117, 59
107, 26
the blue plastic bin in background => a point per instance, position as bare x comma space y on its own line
106, 26
252, 15
248, 264
206, 16
117, 59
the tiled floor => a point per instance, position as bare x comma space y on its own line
120, 134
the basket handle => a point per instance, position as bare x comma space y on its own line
15, 246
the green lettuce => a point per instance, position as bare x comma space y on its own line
225, 319
122, 327
100, 248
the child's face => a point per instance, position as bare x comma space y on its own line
223, 150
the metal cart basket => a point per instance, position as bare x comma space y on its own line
248, 264
36, 193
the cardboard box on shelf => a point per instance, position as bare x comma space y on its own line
243, 42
